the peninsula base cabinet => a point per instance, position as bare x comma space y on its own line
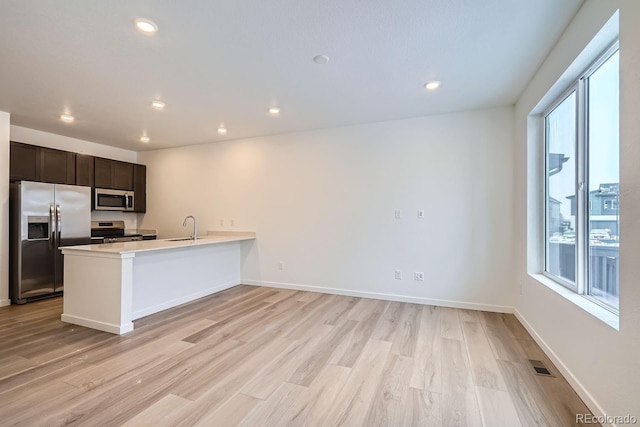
107, 288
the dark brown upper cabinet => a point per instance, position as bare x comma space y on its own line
84, 170
33, 163
57, 167
123, 176
24, 163
103, 176
140, 188
113, 174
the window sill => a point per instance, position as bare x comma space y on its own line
600, 313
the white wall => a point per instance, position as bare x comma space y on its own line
322, 202
4, 208
602, 364
59, 142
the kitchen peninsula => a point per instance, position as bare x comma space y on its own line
108, 286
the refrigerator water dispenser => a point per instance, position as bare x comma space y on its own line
38, 228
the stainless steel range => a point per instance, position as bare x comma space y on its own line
111, 232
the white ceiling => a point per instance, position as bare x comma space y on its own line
226, 62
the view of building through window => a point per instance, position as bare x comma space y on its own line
603, 178
598, 173
561, 188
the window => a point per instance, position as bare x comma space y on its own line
582, 184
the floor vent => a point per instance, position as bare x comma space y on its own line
540, 369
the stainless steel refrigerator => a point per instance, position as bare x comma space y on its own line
44, 217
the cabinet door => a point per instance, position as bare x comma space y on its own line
57, 167
84, 170
140, 188
123, 176
103, 177
24, 162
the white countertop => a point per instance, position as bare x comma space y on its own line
212, 238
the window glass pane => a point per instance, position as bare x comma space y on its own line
560, 236
604, 178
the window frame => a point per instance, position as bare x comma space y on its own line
582, 262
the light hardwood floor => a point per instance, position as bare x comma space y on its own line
255, 356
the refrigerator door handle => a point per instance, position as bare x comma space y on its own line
58, 225
52, 227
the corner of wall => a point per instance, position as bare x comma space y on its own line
4, 207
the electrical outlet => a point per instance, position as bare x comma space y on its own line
419, 275
398, 214
420, 213
281, 265
398, 274
222, 223
233, 222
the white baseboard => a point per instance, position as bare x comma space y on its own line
182, 300
5, 302
564, 370
101, 326
388, 297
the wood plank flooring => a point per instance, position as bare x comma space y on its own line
253, 356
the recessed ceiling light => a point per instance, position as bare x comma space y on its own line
67, 118
321, 59
274, 110
432, 85
145, 139
222, 130
157, 104
146, 26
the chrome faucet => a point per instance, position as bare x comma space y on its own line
194, 236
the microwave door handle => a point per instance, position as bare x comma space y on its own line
129, 200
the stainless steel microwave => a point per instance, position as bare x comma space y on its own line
113, 200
